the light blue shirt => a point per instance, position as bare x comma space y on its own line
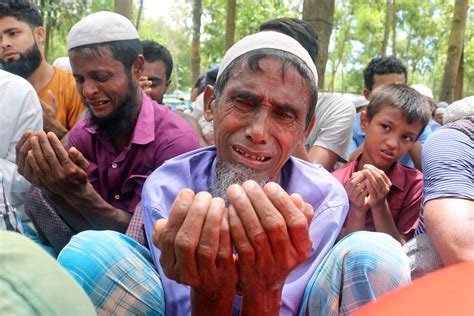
196, 171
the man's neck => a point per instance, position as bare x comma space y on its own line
41, 76
120, 142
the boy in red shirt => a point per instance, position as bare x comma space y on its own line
384, 195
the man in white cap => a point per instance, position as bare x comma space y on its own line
97, 182
242, 226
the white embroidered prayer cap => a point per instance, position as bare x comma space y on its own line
101, 27
267, 39
423, 90
459, 109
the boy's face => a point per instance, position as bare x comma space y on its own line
388, 136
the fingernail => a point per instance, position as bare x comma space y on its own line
271, 187
248, 185
234, 191
203, 196
186, 194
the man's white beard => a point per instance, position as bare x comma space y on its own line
225, 177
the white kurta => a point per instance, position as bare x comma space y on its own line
20, 110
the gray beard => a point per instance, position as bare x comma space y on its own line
225, 177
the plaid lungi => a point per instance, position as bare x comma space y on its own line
119, 276
361, 267
116, 272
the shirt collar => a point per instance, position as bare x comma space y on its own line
144, 131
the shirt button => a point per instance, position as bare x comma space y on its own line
117, 197
114, 165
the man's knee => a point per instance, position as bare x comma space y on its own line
377, 255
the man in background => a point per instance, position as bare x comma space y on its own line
156, 79
22, 39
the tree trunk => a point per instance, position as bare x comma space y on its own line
394, 29
123, 7
455, 44
320, 14
139, 15
387, 26
195, 57
230, 23
458, 90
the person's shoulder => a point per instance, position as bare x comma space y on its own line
446, 136
7, 78
341, 172
314, 176
63, 73
168, 121
335, 102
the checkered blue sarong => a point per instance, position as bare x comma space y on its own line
359, 268
116, 272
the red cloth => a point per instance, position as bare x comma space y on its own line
449, 291
404, 198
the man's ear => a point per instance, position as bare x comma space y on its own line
40, 35
209, 102
137, 67
367, 94
167, 85
364, 121
310, 127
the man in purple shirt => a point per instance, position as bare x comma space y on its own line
97, 182
239, 228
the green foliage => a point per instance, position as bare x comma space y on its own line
250, 14
60, 15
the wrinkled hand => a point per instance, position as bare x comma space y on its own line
46, 163
378, 185
357, 191
145, 84
196, 247
23, 147
270, 231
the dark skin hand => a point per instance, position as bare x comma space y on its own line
62, 175
197, 250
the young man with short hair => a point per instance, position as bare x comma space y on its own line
22, 38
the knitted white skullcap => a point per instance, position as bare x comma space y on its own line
101, 27
458, 110
268, 39
423, 90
